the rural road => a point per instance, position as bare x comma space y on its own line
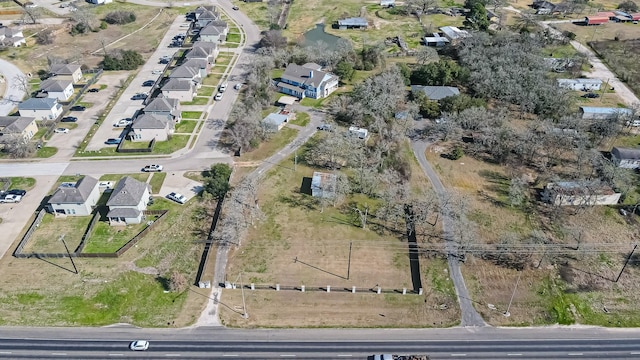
13, 92
470, 316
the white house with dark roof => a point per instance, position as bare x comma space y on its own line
165, 107
147, 127
580, 84
60, 89
128, 201
11, 37
215, 32
628, 158
203, 50
186, 72
181, 89
40, 108
202, 65
17, 126
436, 92
78, 200
453, 33
307, 80
71, 72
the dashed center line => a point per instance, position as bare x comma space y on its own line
59, 354
575, 354
287, 355
458, 354
514, 354
116, 354
346, 355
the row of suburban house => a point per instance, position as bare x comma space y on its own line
126, 204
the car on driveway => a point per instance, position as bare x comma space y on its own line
148, 83
94, 90
152, 168
78, 108
69, 119
123, 122
218, 97
156, 72
139, 345
113, 141
177, 197
16, 192
61, 130
10, 199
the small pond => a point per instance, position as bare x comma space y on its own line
317, 34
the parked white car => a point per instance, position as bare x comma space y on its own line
123, 122
218, 97
179, 198
156, 72
11, 199
61, 130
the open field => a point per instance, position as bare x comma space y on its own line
621, 57
128, 289
298, 243
571, 286
608, 31
82, 47
271, 146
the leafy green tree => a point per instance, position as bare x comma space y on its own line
458, 103
456, 153
442, 72
216, 181
405, 71
477, 15
344, 70
428, 108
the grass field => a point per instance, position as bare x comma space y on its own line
620, 57
156, 181
269, 147
302, 119
191, 114
186, 126
108, 239
46, 239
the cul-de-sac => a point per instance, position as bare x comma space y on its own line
319, 164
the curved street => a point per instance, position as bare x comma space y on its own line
14, 91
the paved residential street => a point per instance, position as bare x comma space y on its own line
470, 316
13, 92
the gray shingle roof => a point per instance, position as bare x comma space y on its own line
14, 124
303, 75
213, 29
38, 104
162, 104
354, 21
177, 84
196, 63
151, 121
55, 85
436, 92
64, 69
184, 72
123, 213
127, 192
626, 153
206, 45
75, 195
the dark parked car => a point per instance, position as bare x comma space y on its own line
78, 108
148, 83
16, 192
69, 119
113, 141
93, 90
591, 95
235, 8
139, 96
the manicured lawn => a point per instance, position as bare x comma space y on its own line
128, 144
223, 60
315, 103
108, 239
46, 152
270, 147
24, 183
191, 114
197, 101
206, 91
186, 126
231, 45
233, 38
46, 238
176, 143
156, 181
302, 119
212, 79
115, 177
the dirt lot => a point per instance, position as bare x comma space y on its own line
297, 244
571, 285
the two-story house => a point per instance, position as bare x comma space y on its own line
71, 72
40, 108
11, 37
201, 64
77, 200
165, 107
203, 50
128, 201
60, 89
187, 72
307, 80
147, 127
216, 32
181, 89
21, 127
206, 17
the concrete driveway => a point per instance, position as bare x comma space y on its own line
176, 182
67, 144
16, 216
125, 107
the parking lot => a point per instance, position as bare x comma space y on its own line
68, 143
125, 106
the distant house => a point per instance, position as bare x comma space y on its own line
60, 89
436, 40
11, 37
353, 23
307, 80
543, 7
147, 127
580, 193
323, 185
357, 132
165, 107
17, 126
596, 20
604, 113
626, 157
207, 17
71, 72
40, 108
78, 200
181, 89
100, 2
215, 32
387, 3
436, 92
274, 121
128, 201
580, 84
453, 33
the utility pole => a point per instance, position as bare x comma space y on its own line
627, 261
245, 315
604, 91
68, 253
507, 313
295, 161
349, 263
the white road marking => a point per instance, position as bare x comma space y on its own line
286, 355
458, 354
575, 354
229, 355
345, 355
514, 354
60, 354
635, 353
172, 355
9, 352
116, 354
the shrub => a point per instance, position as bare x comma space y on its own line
45, 37
457, 153
120, 17
124, 60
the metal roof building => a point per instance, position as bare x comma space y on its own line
591, 112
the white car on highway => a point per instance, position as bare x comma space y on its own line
139, 345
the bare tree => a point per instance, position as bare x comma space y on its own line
177, 282
17, 147
45, 37
31, 14
426, 54
517, 191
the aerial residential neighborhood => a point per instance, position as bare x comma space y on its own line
174, 174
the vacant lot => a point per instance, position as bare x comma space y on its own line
572, 285
129, 289
298, 243
621, 57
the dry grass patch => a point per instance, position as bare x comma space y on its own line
608, 31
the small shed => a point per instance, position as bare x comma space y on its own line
274, 121
353, 23
628, 158
436, 40
604, 113
596, 20
323, 184
287, 100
